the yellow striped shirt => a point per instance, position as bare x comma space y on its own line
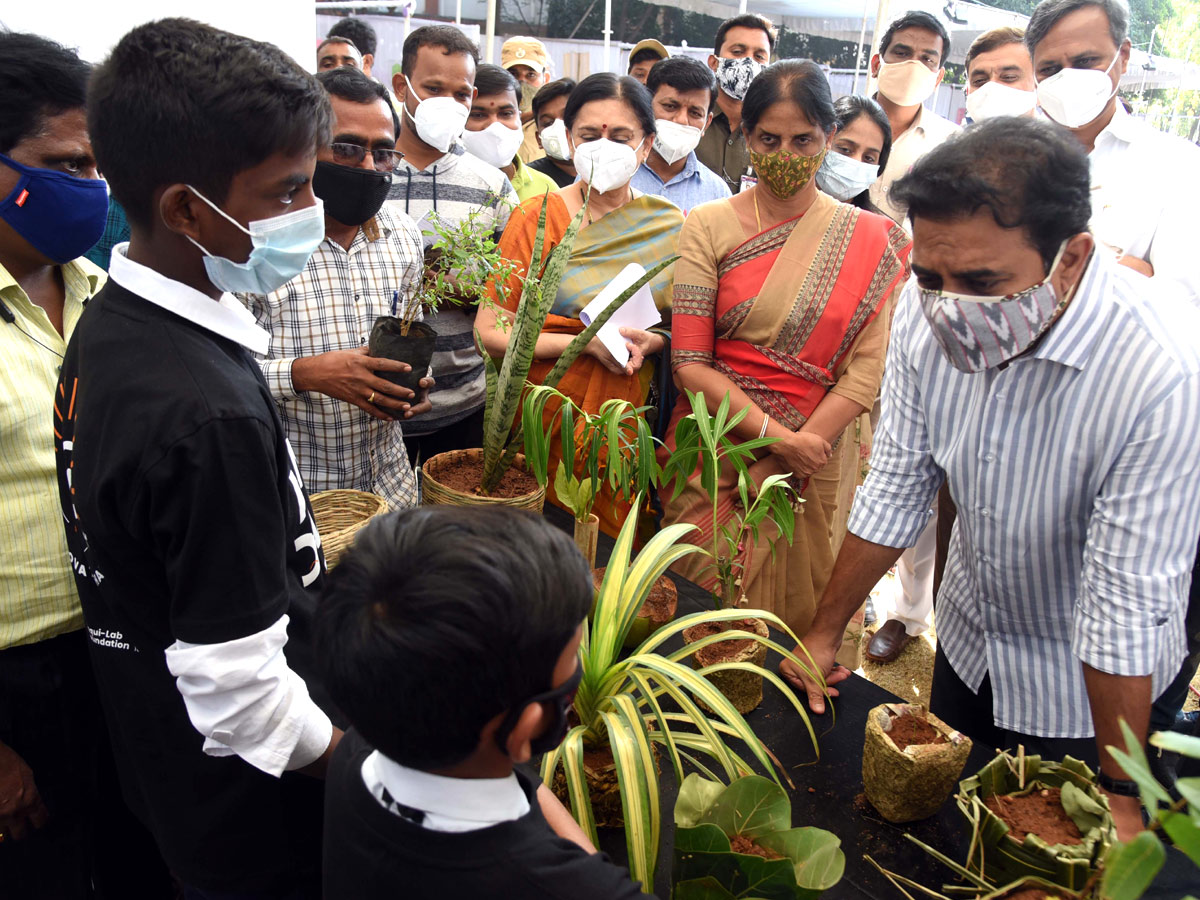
37, 590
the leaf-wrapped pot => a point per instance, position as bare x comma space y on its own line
1000, 857
910, 783
387, 341
772, 860
743, 688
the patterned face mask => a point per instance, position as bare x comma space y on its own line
734, 75
978, 333
785, 173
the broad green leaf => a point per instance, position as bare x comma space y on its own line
696, 797
751, 806
1186, 744
1133, 761
1085, 812
1130, 868
816, 855
1189, 789
702, 838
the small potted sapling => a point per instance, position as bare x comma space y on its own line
461, 246
703, 442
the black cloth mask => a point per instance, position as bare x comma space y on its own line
558, 701
352, 196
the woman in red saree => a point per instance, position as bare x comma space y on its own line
782, 301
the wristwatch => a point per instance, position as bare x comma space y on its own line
1119, 788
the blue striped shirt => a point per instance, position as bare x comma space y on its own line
695, 184
1075, 471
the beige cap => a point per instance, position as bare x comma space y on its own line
650, 44
525, 51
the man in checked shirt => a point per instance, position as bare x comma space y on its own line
343, 420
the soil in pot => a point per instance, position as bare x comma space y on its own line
603, 787
909, 730
1039, 812
465, 475
743, 689
414, 348
739, 843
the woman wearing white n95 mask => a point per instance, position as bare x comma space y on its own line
860, 150
610, 129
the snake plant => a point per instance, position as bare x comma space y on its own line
506, 381
620, 701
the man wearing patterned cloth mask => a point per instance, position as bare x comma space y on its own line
741, 50
1050, 390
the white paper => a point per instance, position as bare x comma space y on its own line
638, 311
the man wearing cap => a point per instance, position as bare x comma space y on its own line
529, 62
643, 56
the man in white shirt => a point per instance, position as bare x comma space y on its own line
1051, 390
1144, 186
909, 66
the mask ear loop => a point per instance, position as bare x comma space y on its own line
218, 210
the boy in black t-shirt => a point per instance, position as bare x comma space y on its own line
449, 636
190, 534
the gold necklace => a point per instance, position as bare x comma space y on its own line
757, 217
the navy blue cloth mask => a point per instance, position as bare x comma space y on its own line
61, 216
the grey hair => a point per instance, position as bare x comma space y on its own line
1050, 12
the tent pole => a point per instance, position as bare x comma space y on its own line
881, 23
862, 37
458, 12
741, 7
489, 50
608, 66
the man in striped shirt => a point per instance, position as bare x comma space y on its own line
1058, 395
343, 420
437, 177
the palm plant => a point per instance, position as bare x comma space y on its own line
705, 440
620, 702
506, 381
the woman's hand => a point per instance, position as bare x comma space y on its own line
802, 453
640, 344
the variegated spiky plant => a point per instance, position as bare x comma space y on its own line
506, 381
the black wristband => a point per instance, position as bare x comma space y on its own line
1120, 788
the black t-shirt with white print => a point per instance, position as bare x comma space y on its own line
186, 520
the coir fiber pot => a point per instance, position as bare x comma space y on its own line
743, 689
603, 787
414, 348
1000, 857
435, 491
658, 609
912, 783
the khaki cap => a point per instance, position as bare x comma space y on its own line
525, 51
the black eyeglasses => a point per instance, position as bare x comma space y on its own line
354, 154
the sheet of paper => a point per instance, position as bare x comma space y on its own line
638, 311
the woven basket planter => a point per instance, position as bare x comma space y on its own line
913, 783
999, 857
340, 516
434, 493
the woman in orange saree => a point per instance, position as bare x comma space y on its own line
782, 301
620, 227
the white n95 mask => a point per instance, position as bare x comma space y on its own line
1074, 97
606, 164
995, 99
674, 141
554, 141
496, 145
439, 120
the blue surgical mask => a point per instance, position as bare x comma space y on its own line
282, 247
60, 215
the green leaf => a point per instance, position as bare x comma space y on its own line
1085, 812
1184, 833
1185, 744
816, 855
1133, 761
1130, 868
702, 838
1189, 789
696, 797
751, 806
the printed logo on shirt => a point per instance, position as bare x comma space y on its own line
310, 540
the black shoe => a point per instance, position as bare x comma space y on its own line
869, 617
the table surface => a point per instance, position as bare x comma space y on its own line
828, 787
